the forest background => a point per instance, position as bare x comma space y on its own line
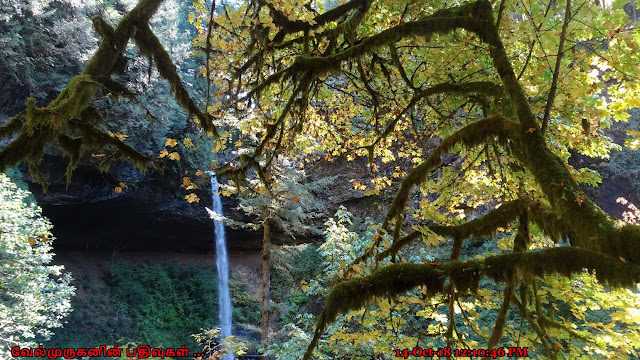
368, 99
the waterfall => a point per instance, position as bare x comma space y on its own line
222, 261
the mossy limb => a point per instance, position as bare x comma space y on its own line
400, 278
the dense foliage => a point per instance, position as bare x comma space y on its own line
158, 305
34, 295
486, 100
42, 45
36, 65
509, 88
593, 318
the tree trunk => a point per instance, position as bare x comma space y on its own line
265, 291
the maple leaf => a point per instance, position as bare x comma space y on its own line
295, 199
192, 198
199, 173
123, 185
174, 156
117, 190
171, 142
217, 145
163, 153
531, 130
32, 240
187, 142
117, 135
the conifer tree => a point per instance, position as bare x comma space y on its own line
282, 200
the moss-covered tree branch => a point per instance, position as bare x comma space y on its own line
151, 47
400, 278
474, 87
589, 226
57, 122
472, 135
485, 225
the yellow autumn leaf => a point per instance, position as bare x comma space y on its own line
238, 143
163, 153
117, 135
32, 241
192, 198
187, 142
123, 185
118, 190
199, 173
171, 142
174, 156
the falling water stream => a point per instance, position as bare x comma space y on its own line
222, 261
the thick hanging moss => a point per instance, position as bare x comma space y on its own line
399, 278
609, 248
588, 226
53, 123
12, 126
71, 147
151, 47
74, 98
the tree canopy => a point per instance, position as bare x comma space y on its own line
511, 87
485, 100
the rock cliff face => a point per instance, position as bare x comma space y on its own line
151, 213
